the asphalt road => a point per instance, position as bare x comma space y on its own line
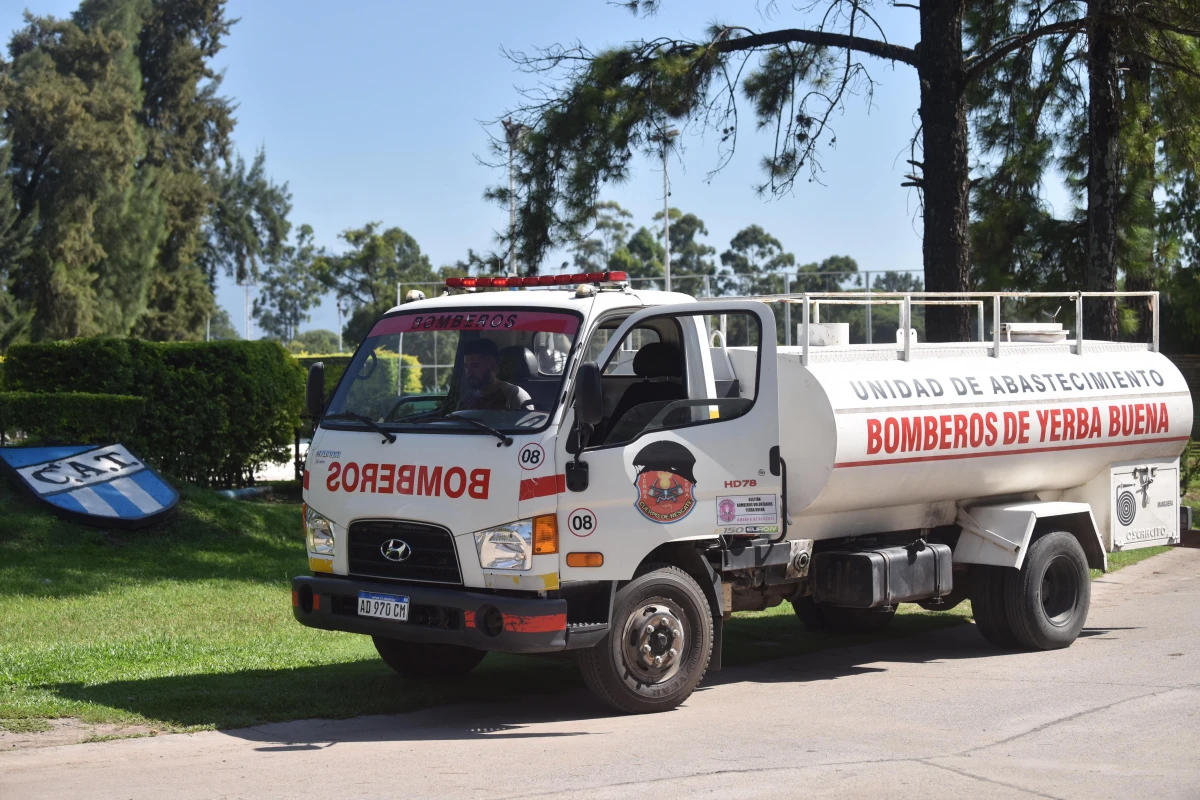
938, 715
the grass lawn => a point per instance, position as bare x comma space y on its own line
188, 626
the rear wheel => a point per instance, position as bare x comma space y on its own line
987, 604
658, 645
1048, 600
427, 660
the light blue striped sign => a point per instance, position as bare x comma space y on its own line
99, 485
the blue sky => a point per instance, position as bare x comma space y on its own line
371, 110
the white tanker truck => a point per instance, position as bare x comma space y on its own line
615, 472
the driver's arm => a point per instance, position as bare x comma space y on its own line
519, 399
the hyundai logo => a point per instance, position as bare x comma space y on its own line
395, 550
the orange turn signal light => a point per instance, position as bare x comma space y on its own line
545, 534
585, 559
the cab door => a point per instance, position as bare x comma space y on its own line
687, 449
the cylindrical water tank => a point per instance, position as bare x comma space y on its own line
863, 434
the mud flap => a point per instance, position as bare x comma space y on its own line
712, 590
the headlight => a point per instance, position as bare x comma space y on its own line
506, 547
318, 533
513, 546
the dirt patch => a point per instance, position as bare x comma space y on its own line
54, 732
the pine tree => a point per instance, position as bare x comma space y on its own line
188, 125
289, 288
1123, 132
70, 99
593, 111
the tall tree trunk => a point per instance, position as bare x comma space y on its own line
1104, 170
945, 173
1139, 206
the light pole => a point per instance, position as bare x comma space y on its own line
338, 304
512, 132
248, 286
664, 139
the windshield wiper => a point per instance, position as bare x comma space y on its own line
505, 440
388, 436
437, 416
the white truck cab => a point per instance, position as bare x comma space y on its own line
615, 472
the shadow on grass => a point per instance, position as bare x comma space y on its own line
367, 687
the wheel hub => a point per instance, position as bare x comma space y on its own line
654, 642
1059, 591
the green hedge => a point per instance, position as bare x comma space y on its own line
214, 410
71, 417
384, 375
335, 365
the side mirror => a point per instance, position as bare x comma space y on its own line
589, 410
589, 395
314, 391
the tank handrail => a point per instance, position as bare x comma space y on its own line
724, 349
907, 299
797, 297
870, 300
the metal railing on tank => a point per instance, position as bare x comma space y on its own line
810, 311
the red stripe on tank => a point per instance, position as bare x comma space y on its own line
1026, 451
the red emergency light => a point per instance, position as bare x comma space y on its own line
537, 280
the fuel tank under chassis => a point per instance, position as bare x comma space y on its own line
890, 445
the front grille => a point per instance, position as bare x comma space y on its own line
433, 559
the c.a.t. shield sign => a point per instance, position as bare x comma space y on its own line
104, 486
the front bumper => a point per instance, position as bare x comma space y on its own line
441, 615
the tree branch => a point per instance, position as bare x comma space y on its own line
1165, 25
871, 47
980, 64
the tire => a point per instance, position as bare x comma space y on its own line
425, 660
1048, 599
812, 615
622, 674
988, 607
820, 618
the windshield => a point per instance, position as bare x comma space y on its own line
502, 367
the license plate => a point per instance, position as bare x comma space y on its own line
383, 606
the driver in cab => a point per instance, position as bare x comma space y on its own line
485, 391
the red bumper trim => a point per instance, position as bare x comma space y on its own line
532, 624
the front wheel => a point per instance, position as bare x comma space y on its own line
658, 644
1048, 600
427, 660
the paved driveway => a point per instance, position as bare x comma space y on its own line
937, 715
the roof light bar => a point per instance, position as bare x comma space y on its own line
577, 278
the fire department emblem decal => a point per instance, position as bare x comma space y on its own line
665, 482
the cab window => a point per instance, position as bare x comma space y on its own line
656, 380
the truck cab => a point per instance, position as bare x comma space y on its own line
592, 468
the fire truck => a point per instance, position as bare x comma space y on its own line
564, 463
